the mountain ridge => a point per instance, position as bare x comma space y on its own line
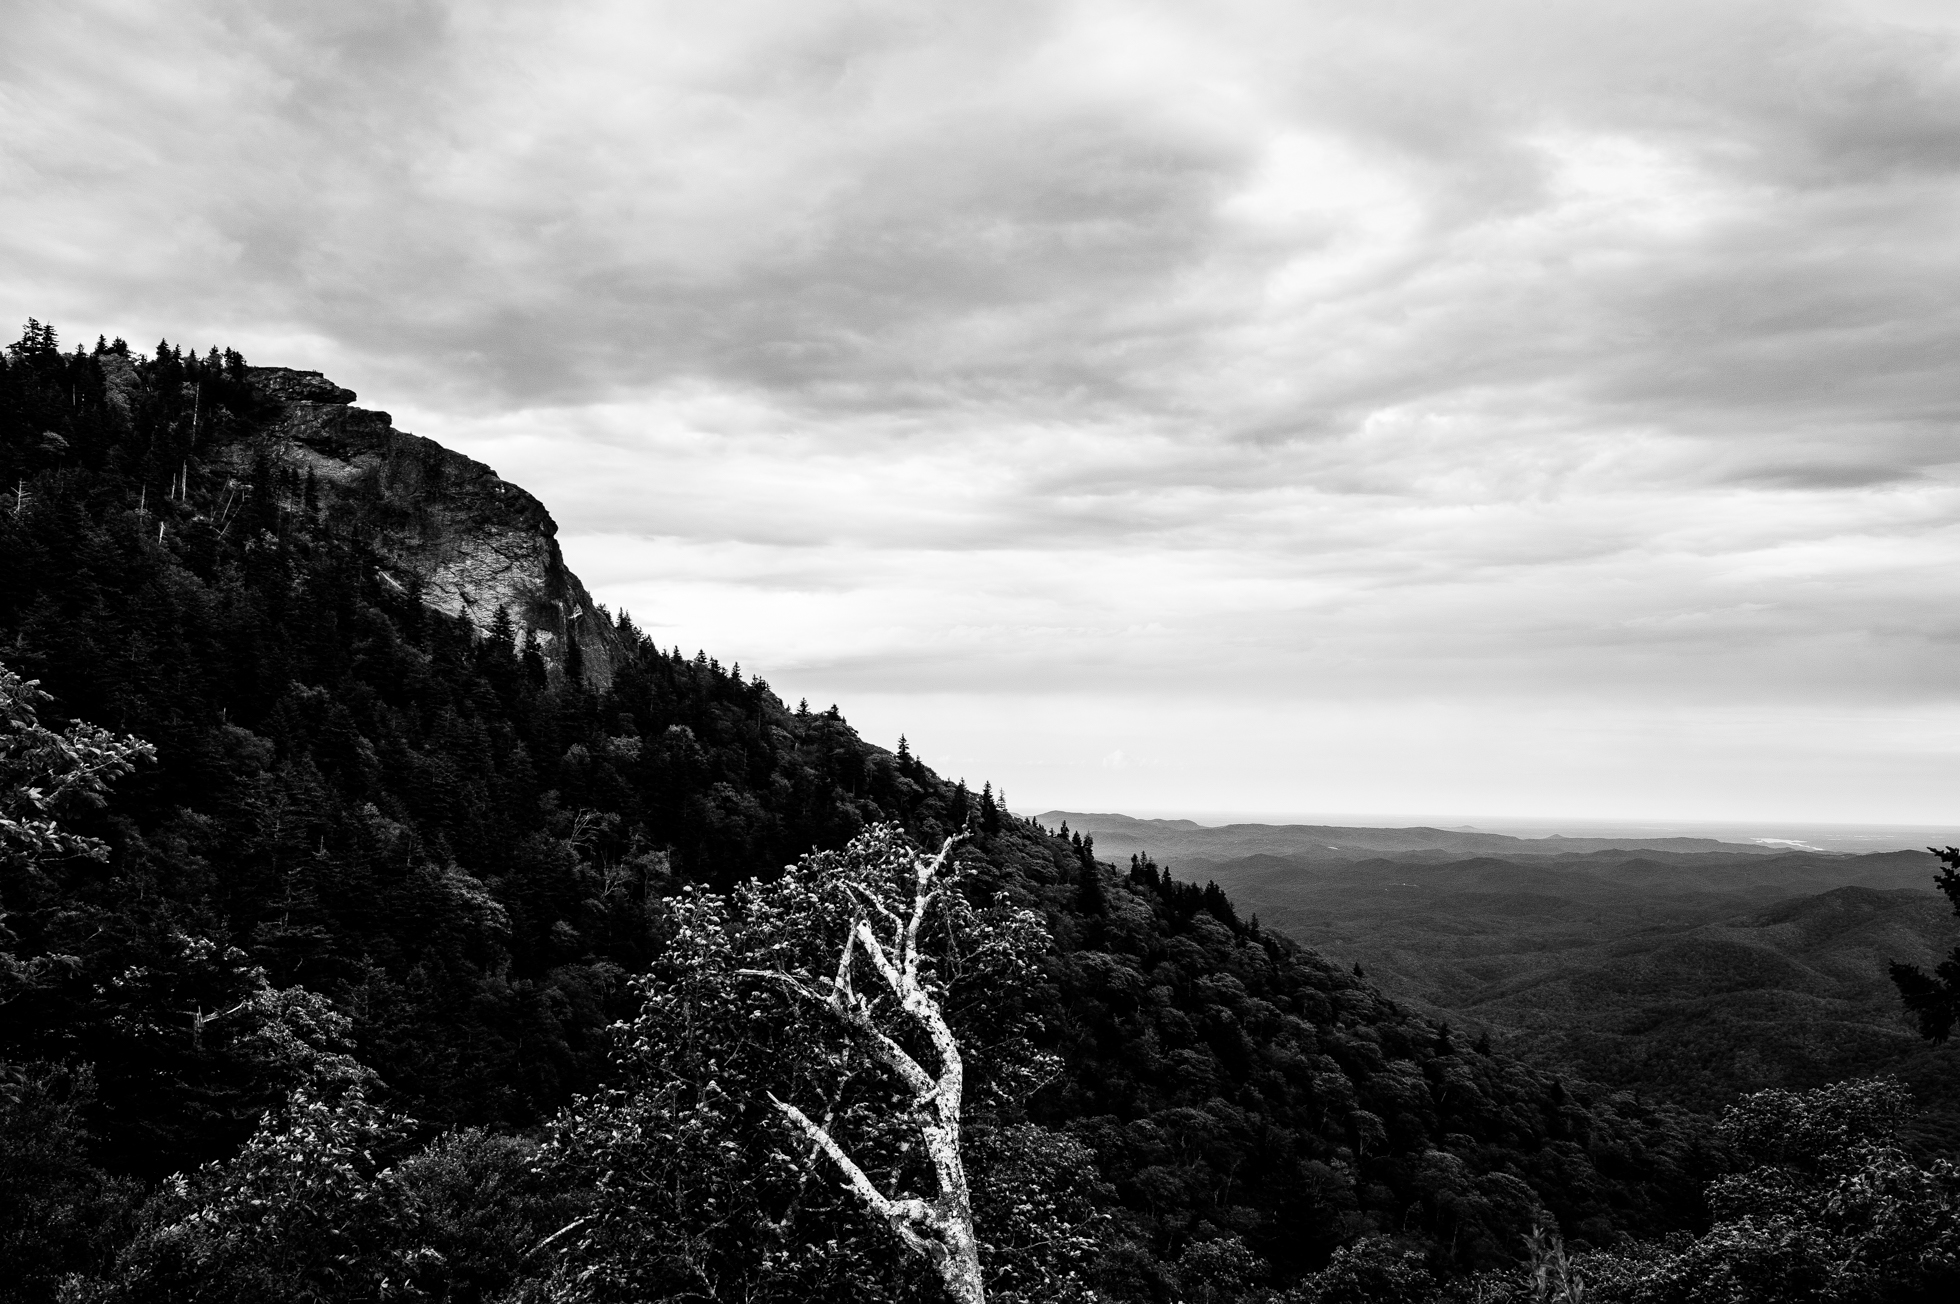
1124, 835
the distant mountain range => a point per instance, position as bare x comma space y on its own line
1687, 967
1122, 835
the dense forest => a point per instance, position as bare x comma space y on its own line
1690, 972
346, 955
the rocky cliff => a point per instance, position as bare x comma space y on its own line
444, 523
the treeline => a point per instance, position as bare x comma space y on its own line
1234, 1083
380, 851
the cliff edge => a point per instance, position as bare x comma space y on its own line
445, 525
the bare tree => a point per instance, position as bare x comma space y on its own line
940, 1228
870, 1007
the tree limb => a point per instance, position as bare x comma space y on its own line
941, 1229
853, 1014
906, 1217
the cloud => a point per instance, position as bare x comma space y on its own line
1146, 353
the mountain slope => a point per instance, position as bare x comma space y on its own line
417, 814
388, 835
1693, 976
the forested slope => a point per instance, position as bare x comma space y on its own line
1690, 976
355, 792
384, 843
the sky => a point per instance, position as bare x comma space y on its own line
1528, 410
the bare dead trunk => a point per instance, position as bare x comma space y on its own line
939, 1230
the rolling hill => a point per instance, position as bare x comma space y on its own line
1694, 974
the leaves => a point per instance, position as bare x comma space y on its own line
44, 774
308, 1209
1934, 1000
691, 1168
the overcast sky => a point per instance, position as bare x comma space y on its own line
1498, 409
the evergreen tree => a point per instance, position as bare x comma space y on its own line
533, 662
46, 780
1934, 999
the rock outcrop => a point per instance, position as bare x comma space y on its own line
471, 542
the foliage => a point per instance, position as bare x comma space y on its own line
1371, 1271
479, 1204
44, 776
329, 1200
1689, 977
1233, 1082
59, 1213
1934, 999
699, 1189
1833, 1210
307, 1210
1827, 1208
1041, 1208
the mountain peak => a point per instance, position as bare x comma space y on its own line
444, 523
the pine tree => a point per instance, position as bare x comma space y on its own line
533, 661
1089, 894
1934, 999
503, 633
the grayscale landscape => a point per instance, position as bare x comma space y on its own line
851, 652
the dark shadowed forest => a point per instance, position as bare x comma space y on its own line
1690, 969
355, 949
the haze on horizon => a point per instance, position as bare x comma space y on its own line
1508, 409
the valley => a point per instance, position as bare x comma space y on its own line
1688, 968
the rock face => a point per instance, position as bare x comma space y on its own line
284, 385
471, 541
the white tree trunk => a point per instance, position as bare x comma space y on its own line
940, 1230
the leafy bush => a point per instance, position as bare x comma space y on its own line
59, 1213
1826, 1208
1377, 1270
308, 1210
